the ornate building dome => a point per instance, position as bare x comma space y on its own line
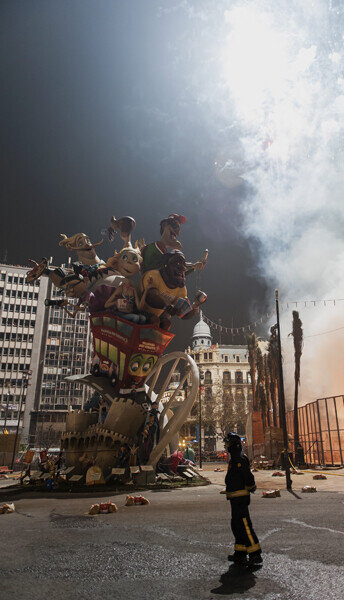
201, 335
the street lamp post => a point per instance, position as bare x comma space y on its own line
201, 377
26, 382
282, 399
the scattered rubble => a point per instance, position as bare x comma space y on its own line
320, 476
271, 494
7, 508
103, 508
309, 489
135, 500
278, 474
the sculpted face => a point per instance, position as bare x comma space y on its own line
140, 365
127, 262
174, 270
171, 230
81, 243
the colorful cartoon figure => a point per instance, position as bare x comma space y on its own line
153, 254
167, 288
82, 245
86, 253
76, 286
125, 299
140, 365
125, 226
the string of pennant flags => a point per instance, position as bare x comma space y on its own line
284, 306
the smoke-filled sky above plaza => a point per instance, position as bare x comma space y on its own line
230, 112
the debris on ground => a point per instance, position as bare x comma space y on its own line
320, 476
271, 494
103, 508
309, 489
7, 508
278, 474
135, 500
218, 470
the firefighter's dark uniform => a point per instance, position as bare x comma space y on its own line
239, 483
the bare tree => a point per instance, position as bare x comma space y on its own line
297, 334
274, 372
260, 387
225, 411
267, 389
252, 359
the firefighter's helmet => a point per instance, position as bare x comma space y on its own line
232, 441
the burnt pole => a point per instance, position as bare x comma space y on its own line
282, 399
200, 389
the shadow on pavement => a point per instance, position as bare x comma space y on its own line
236, 580
294, 494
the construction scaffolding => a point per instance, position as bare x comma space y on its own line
321, 430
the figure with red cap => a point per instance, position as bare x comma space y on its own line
153, 254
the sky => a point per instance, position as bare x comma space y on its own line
229, 112
101, 116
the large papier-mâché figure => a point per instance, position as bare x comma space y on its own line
129, 321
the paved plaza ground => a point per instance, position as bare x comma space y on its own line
175, 548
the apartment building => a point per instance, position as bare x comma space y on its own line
49, 343
21, 327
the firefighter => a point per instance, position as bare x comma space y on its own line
239, 485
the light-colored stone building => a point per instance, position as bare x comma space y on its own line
226, 389
22, 313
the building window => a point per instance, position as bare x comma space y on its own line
226, 359
207, 377
226, 379
208, 395
239, 377
197, 357
238, 358
205, 356
210, 356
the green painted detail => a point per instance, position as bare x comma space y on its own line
121, 364
124, 328
150, 334
109, 322
103, 348
96, 321
97, 344
113, 354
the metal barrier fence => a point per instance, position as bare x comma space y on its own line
321, 430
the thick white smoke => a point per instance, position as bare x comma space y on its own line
283, 68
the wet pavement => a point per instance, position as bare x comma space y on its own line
174, 548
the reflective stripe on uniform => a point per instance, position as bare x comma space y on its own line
237, 493
248, 531
253, 548
240, 548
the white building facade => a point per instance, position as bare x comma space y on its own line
226, 384
45, 341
